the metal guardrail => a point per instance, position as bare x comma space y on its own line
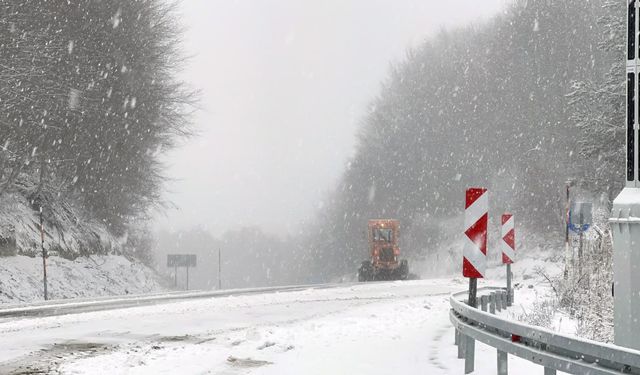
76, 306
553, 351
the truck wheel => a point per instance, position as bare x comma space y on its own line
404, 269
365, 272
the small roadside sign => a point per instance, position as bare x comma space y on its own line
580, 216
181, 260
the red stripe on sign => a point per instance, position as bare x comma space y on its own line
506, 218
469, 270
509, 238
506, 260
472, 195
478, 233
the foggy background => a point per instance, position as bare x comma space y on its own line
318, 117
284, 85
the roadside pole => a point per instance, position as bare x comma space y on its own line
580, 246
219, 269
509, 287
187, 277
508, 250
567, 254
44, 255
566, 237
175, 276
473, 292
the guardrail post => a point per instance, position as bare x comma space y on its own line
498, 302
504, 300
462, 341
456, 340
492, 303
503, 364
549, 371
469, 355
483, 303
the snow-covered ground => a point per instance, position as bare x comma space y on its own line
21, 278
376, 328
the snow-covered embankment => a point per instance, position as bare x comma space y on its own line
94, 276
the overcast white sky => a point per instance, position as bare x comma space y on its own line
284, 84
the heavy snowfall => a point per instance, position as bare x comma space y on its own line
215, 187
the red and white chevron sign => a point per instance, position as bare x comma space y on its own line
476, 217
508, 239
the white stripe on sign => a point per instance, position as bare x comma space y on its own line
478, 209
508, 251
506, 227
473, 254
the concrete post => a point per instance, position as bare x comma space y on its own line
483, 303
498, 302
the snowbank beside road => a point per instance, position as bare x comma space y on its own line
21, 278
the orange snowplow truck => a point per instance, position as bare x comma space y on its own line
384, 252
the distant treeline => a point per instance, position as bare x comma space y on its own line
89, 100
249, 257
519, 104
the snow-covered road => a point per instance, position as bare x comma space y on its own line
377, 328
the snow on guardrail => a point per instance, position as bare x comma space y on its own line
546, 348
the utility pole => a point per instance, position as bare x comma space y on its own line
44, 253
219, 269
625, 215
187, 276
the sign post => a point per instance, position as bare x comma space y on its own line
181, 260
508, 251
580, 219
625, 215
567, 251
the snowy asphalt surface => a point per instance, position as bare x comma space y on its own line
377, 328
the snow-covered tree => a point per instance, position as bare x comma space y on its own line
89, 100
598, 107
